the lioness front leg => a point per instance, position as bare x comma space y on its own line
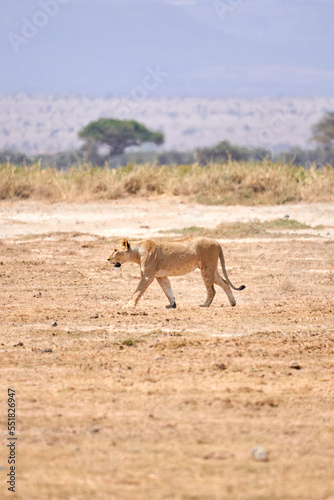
143, 284
167, 288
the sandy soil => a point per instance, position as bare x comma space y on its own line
156, 403
142, 219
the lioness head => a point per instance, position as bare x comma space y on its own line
120, 253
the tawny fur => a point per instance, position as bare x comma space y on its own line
162, 259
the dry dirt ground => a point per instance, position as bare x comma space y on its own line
165, 404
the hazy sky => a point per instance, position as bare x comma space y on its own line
222, 48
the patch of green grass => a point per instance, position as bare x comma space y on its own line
185, 230
244, 229
129, 342
285, 224
254, 229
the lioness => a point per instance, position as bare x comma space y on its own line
159, 260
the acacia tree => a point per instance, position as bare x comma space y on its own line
115, 136
323, 131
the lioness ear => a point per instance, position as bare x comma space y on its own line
125, 243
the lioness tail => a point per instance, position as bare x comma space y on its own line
222, 261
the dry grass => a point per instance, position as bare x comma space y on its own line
232, 183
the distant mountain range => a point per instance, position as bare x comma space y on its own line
41, 124
166, 48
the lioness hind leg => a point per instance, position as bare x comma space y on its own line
208, 279
167, 288
226, 287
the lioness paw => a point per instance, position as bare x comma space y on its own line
129, 305
171, 306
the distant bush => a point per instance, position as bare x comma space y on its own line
225, 151
7, 156
306, 158
62, 160
175, 158
323, 131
